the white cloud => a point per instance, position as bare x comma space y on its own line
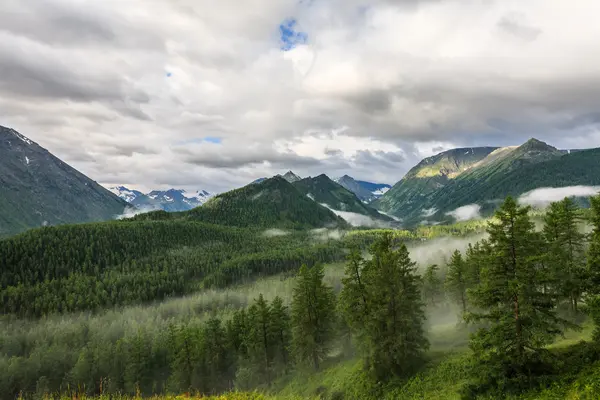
115, 88
356, 219
543, 196
466, 213
428, 212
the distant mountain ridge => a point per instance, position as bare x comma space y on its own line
365, 191
456, 178
37, 188
325, 191
273, 203
171, 200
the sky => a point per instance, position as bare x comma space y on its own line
204, 94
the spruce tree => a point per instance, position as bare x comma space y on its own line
280, 331
457, 280
520, 315
313, 316
353, 302
259, 340
393, 335
432, 286
593, 282
565, 254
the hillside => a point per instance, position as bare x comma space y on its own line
408, 195
37, 189
431, 190
323, 190
273, 203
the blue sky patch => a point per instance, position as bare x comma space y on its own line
209, 139
290, 36
213, 139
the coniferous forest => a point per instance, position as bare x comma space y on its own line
150, 307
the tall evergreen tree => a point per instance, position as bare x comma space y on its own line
565, 253
521, 316
394, 327
381, 302
593, 284
259, 340
353, 302
432, 286
457, 280
280, 330
313, 316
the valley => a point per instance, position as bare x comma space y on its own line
294, 287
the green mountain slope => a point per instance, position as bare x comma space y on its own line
504, 171
273, 203
36, 189
323, 190
426, 178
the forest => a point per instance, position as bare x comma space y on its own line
105, 314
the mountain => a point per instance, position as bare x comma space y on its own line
365, 191
325, 191
441, 184
273, 203
259, 180
291, 177
408, 195
169, 200
36, 189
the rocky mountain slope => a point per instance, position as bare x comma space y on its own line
37, 189
365, 191
167, 200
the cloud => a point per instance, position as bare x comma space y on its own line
356, 219
275, 233
466, 213
429, 212
320, 86
543, 196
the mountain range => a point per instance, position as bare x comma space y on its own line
272, 203
167, 200
37, 189
438, 186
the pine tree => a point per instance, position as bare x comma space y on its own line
259, 340
280, 331
593, 256
565, 255
432, 286
394, 332
353, 302
457, 280
313, 316
510, 298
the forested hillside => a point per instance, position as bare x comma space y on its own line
272, 203
503, 172
94, 266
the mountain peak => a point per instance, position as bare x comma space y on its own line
291, 177
535, 144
